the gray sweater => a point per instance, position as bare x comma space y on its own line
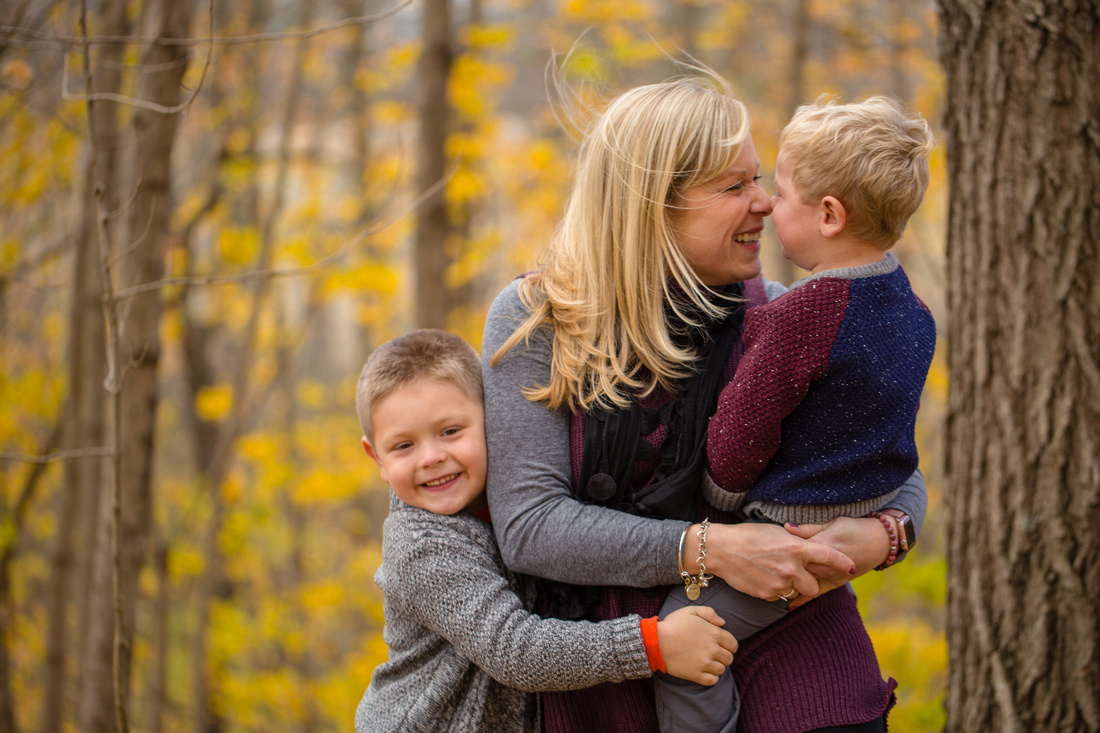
464, 653
542, 528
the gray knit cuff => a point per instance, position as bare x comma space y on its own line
801, 514
629, 649
719, 498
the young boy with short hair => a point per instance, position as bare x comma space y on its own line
818, 421
464, 652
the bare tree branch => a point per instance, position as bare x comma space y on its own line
305, 270
64, 455
132, 101
77, 43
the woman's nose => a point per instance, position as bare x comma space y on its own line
762, 203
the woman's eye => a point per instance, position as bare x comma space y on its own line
735, 188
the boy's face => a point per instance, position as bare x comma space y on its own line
796, 222
429, 441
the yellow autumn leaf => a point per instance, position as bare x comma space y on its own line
312, 394
322, 485
321, 595
238, 245
213, 403
185, 563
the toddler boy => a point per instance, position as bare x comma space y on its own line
464, 652
818, 421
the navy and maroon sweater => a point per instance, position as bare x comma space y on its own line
818, 420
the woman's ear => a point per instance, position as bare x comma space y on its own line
834, 218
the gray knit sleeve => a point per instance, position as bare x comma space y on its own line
542, 528
449, 580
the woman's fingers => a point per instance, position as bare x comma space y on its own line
817, 554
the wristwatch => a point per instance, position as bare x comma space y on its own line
905, 535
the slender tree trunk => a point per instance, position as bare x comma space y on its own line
1023, 431
900, 86
432, 225
204, 720
141, 260
13, 523
87, 370
158, 685
786, 272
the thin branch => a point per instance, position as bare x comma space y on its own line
64, 455
141, 103
26, 495
303, 271
13, 32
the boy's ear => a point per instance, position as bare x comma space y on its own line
374, 456
833, 217
370, 451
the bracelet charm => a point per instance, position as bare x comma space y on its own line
693, 584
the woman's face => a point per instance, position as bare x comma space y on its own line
718, 224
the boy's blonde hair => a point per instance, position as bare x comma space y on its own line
422, 354
871, 155
607, 283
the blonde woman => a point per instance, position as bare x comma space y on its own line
601, 371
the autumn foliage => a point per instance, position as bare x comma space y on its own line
286, 254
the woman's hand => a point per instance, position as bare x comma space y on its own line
863, 540
694, 646
765, 561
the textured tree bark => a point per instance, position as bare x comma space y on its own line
1023, 430
432, 225
102, 705
87, 370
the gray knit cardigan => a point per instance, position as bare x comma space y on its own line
464, 653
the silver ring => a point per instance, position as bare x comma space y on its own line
789, 596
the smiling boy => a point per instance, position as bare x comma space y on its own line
464, 653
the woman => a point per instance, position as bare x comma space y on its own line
602, 369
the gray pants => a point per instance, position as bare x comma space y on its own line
687, 707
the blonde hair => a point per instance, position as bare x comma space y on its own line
422, 354
871, 155
607, 284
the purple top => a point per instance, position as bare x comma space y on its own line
813, 669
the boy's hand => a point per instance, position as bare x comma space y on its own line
693, 646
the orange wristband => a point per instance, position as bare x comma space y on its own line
652, 645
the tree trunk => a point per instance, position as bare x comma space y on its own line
204, 718
87, 370
102, 705
1023, 430
431, 218
786, 272
158, 677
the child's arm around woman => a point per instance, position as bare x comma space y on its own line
463, 646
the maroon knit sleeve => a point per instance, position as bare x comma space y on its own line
787, 345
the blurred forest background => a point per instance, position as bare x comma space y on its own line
331, 173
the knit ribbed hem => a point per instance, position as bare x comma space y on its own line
883, 267
800, 514
727, 501
626, 637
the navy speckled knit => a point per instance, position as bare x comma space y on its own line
818, 420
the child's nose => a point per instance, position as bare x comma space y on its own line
432, 454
